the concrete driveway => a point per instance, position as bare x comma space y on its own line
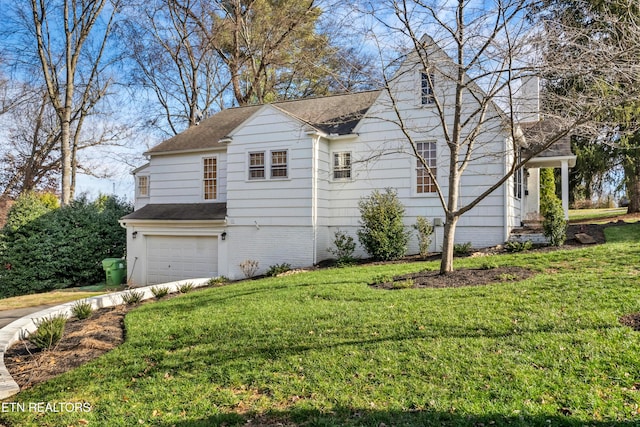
8, 316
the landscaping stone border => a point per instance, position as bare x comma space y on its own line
18, 329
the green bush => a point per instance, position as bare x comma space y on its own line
82, 309
63, 247
382, 232
132, 297
515, 246
461, 249
425, 232
343, 249
185, 287
554, 224
547, 190
216, 281
49, 332
159, 291
29, 207
276, 269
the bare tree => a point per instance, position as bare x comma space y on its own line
174, 61
71, 66
472, 67
31, 157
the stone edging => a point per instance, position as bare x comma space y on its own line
19, 328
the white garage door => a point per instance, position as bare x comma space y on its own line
171, 258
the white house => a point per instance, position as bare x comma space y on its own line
273, 183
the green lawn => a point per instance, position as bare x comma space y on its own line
591, 214
54, 297
325, 349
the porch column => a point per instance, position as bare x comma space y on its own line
565, 188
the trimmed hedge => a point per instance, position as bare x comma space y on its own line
62, 248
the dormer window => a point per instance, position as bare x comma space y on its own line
426, 88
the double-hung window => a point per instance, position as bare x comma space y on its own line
426, 88
275, 161
342, 165
424, 182
210, 178
279, 164
256, 165
143, 186
517, 177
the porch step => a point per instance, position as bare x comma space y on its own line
534, 235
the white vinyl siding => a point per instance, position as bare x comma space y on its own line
272, 201
178, 178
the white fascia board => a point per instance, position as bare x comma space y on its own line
172, 223
190, 151
551, 162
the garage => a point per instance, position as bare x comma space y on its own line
171, 258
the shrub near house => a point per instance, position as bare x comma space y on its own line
61, 247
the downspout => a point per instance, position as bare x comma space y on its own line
506, 192
315, 146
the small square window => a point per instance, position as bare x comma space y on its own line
256, 166
342, 165
279, 164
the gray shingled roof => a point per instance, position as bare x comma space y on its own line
539, 132
180, 211
337, 114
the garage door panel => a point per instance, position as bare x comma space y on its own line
171, 258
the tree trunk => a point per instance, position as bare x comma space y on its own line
632, 181
446, 265
65, 149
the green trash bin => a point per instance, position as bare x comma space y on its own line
116, 271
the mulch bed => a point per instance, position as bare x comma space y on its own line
457, 278
83, 340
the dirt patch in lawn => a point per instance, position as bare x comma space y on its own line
83, 340
631, 320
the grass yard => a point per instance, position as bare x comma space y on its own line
325, 349
595, 214
54, 297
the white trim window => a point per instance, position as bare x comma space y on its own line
143, 186
279, 167
342, 165
210, 178
424, 182
426, 88
257, 165
518, 178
